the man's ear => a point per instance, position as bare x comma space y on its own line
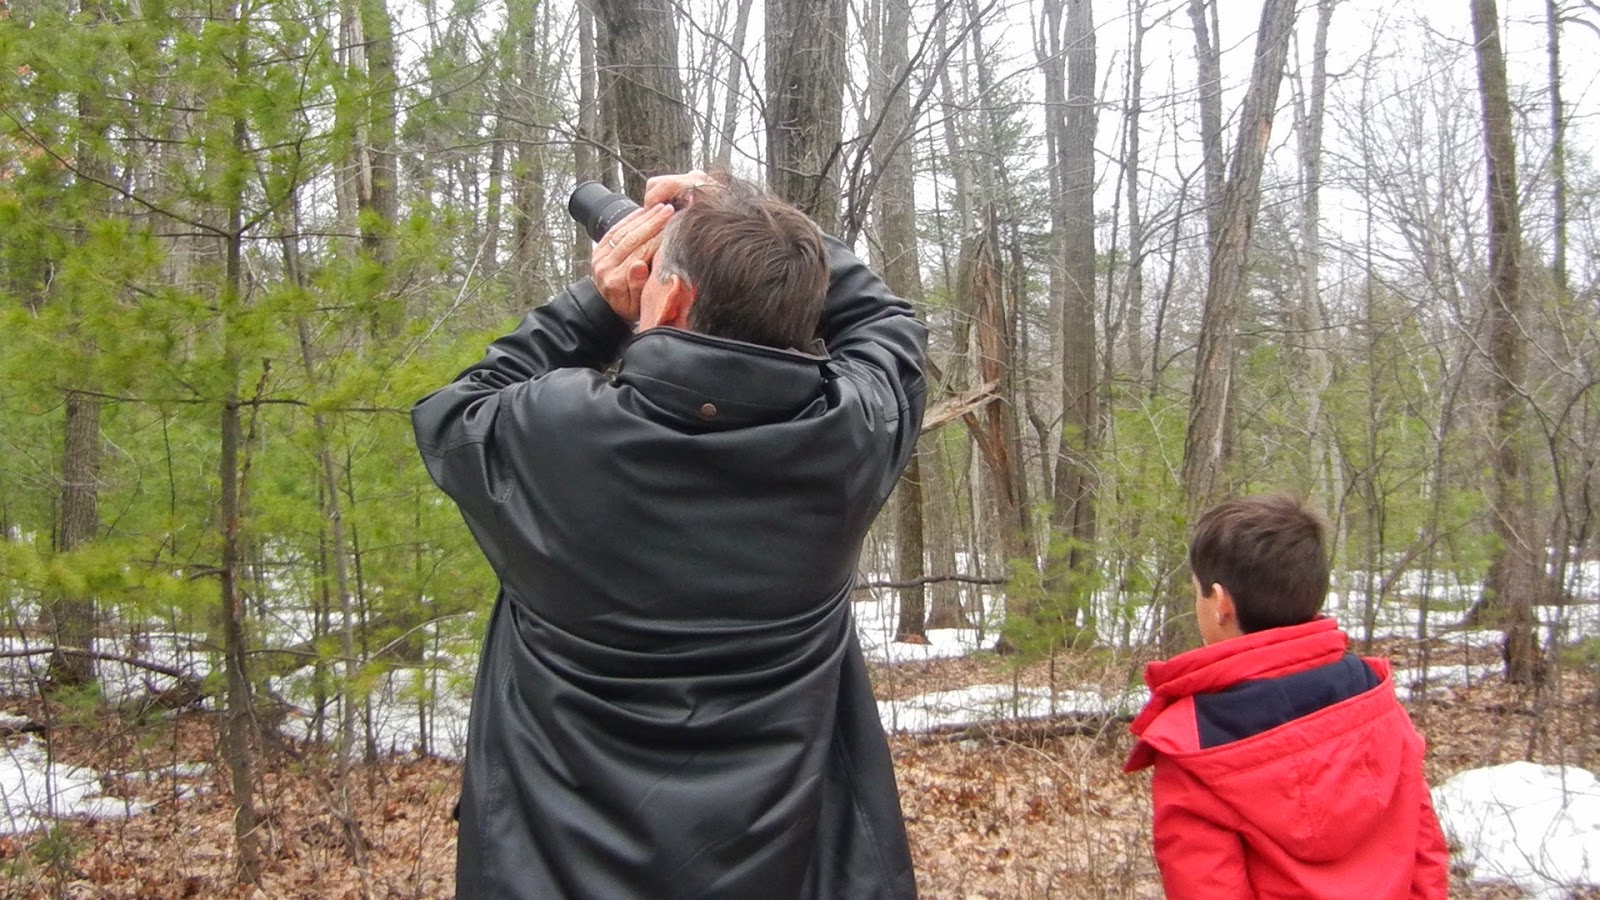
676, 300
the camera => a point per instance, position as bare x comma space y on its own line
597, 208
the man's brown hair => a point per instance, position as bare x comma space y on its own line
1268, 552
757, 264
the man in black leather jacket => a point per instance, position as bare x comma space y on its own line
671, 701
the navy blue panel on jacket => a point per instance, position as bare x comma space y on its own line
1256, 706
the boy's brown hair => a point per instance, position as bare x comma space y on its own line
1268, 552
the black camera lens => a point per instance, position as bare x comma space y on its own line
597, 208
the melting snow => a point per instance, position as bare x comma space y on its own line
34, 790
1537, 827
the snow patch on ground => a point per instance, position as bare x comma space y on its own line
1407, 681
404, 705
34, 790
987, 703
1534, 826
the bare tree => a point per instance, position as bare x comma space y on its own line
1516, 575
1207, 444
1072, 514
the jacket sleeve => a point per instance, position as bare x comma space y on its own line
1431, 876
874, 336
1198, 851
455, 425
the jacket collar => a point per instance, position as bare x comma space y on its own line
1262, 654
716, 384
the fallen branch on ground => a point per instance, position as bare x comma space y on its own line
158, 668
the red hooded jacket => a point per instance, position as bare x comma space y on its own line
1286, 768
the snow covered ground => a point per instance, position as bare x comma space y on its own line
1537, 827
35, 790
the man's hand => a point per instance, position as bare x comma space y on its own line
621, 262
667, 188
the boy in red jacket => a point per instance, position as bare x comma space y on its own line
1284, 765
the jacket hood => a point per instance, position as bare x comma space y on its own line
1319, 786
1215, 667
1316, 786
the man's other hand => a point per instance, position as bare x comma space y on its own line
621, 261
667, 188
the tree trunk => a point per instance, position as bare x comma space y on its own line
654, 136
590, 159
1133, 300
1208, 60
1317, 374
72, 618
805, 104
1073, 505
1516, 573
1207, 444
731, 84
995, 428
237, 749
895, 210
1558, 149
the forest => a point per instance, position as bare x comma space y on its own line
1168, 251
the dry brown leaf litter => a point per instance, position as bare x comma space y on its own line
1013, 815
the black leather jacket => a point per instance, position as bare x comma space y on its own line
671, 702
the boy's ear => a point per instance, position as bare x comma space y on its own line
1227, 613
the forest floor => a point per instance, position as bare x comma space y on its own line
1011, 812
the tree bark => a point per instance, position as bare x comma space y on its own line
805, 104
731, 85
1315, 377
1516, 573
894, 204
1558, 149
654, 135
1073, 505
73, 618
238, 751
1133, 300
1207, 443
1208, 60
